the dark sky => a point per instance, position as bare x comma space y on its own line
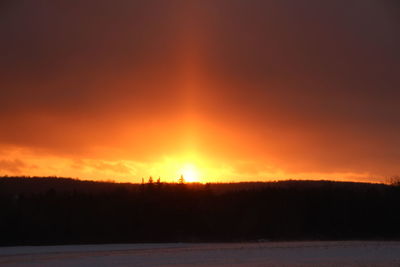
240, 89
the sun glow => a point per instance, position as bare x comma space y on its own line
190, 173
194, 167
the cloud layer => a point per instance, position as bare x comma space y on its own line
254, 88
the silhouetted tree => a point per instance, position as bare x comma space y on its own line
394, 180
98, 212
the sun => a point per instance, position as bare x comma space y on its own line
190, 173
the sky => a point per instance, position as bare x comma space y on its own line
217, 90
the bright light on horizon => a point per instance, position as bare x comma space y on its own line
190, 173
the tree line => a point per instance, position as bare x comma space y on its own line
37, 211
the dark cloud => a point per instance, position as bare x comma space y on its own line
302, 85
317, 82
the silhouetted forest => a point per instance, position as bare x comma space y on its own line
67, 211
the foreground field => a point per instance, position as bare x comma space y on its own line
347, 253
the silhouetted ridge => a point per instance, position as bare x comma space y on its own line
62, 210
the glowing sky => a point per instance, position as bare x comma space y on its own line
226, 90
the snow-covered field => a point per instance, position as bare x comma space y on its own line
346, 253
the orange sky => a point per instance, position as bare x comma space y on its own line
226, 90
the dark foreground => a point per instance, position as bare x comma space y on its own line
217, 254
56, 211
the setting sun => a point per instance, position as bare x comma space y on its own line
216, 102
190, 173
199, 132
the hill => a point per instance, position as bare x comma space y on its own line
67, 211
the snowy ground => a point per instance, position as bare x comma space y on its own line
349, 253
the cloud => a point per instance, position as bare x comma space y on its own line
116, 167
14, 166
292, 87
